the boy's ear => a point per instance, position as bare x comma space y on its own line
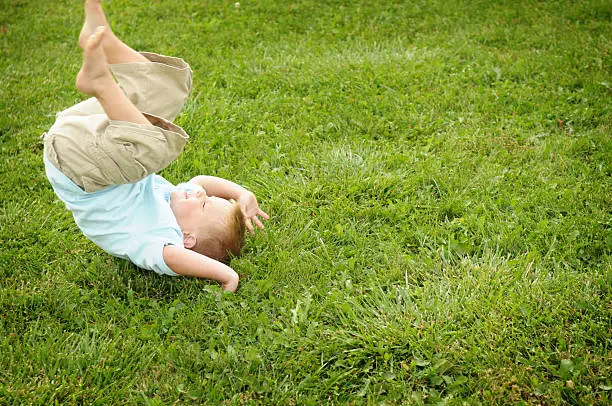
189, 240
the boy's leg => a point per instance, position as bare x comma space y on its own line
95, 79
115, 50
155, 84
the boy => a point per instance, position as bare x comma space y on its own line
100, 157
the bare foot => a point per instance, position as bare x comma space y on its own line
94, 75
116, 51
94, 17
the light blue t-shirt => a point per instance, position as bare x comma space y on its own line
132, 221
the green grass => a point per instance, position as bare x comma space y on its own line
438, 176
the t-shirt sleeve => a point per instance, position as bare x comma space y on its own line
148, 253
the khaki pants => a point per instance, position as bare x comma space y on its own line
95, 152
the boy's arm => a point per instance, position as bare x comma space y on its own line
190, 263
219, 187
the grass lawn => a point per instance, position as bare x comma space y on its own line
439, 179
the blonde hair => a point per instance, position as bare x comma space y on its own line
224, 238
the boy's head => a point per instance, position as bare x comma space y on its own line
211, 226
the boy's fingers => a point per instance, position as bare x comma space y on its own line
248, 221
258, 223
249, 225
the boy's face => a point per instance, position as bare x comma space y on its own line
194, 208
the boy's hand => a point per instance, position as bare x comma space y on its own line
232, 284
250, 210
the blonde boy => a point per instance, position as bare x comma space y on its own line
101, 156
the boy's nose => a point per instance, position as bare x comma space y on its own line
200, 194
